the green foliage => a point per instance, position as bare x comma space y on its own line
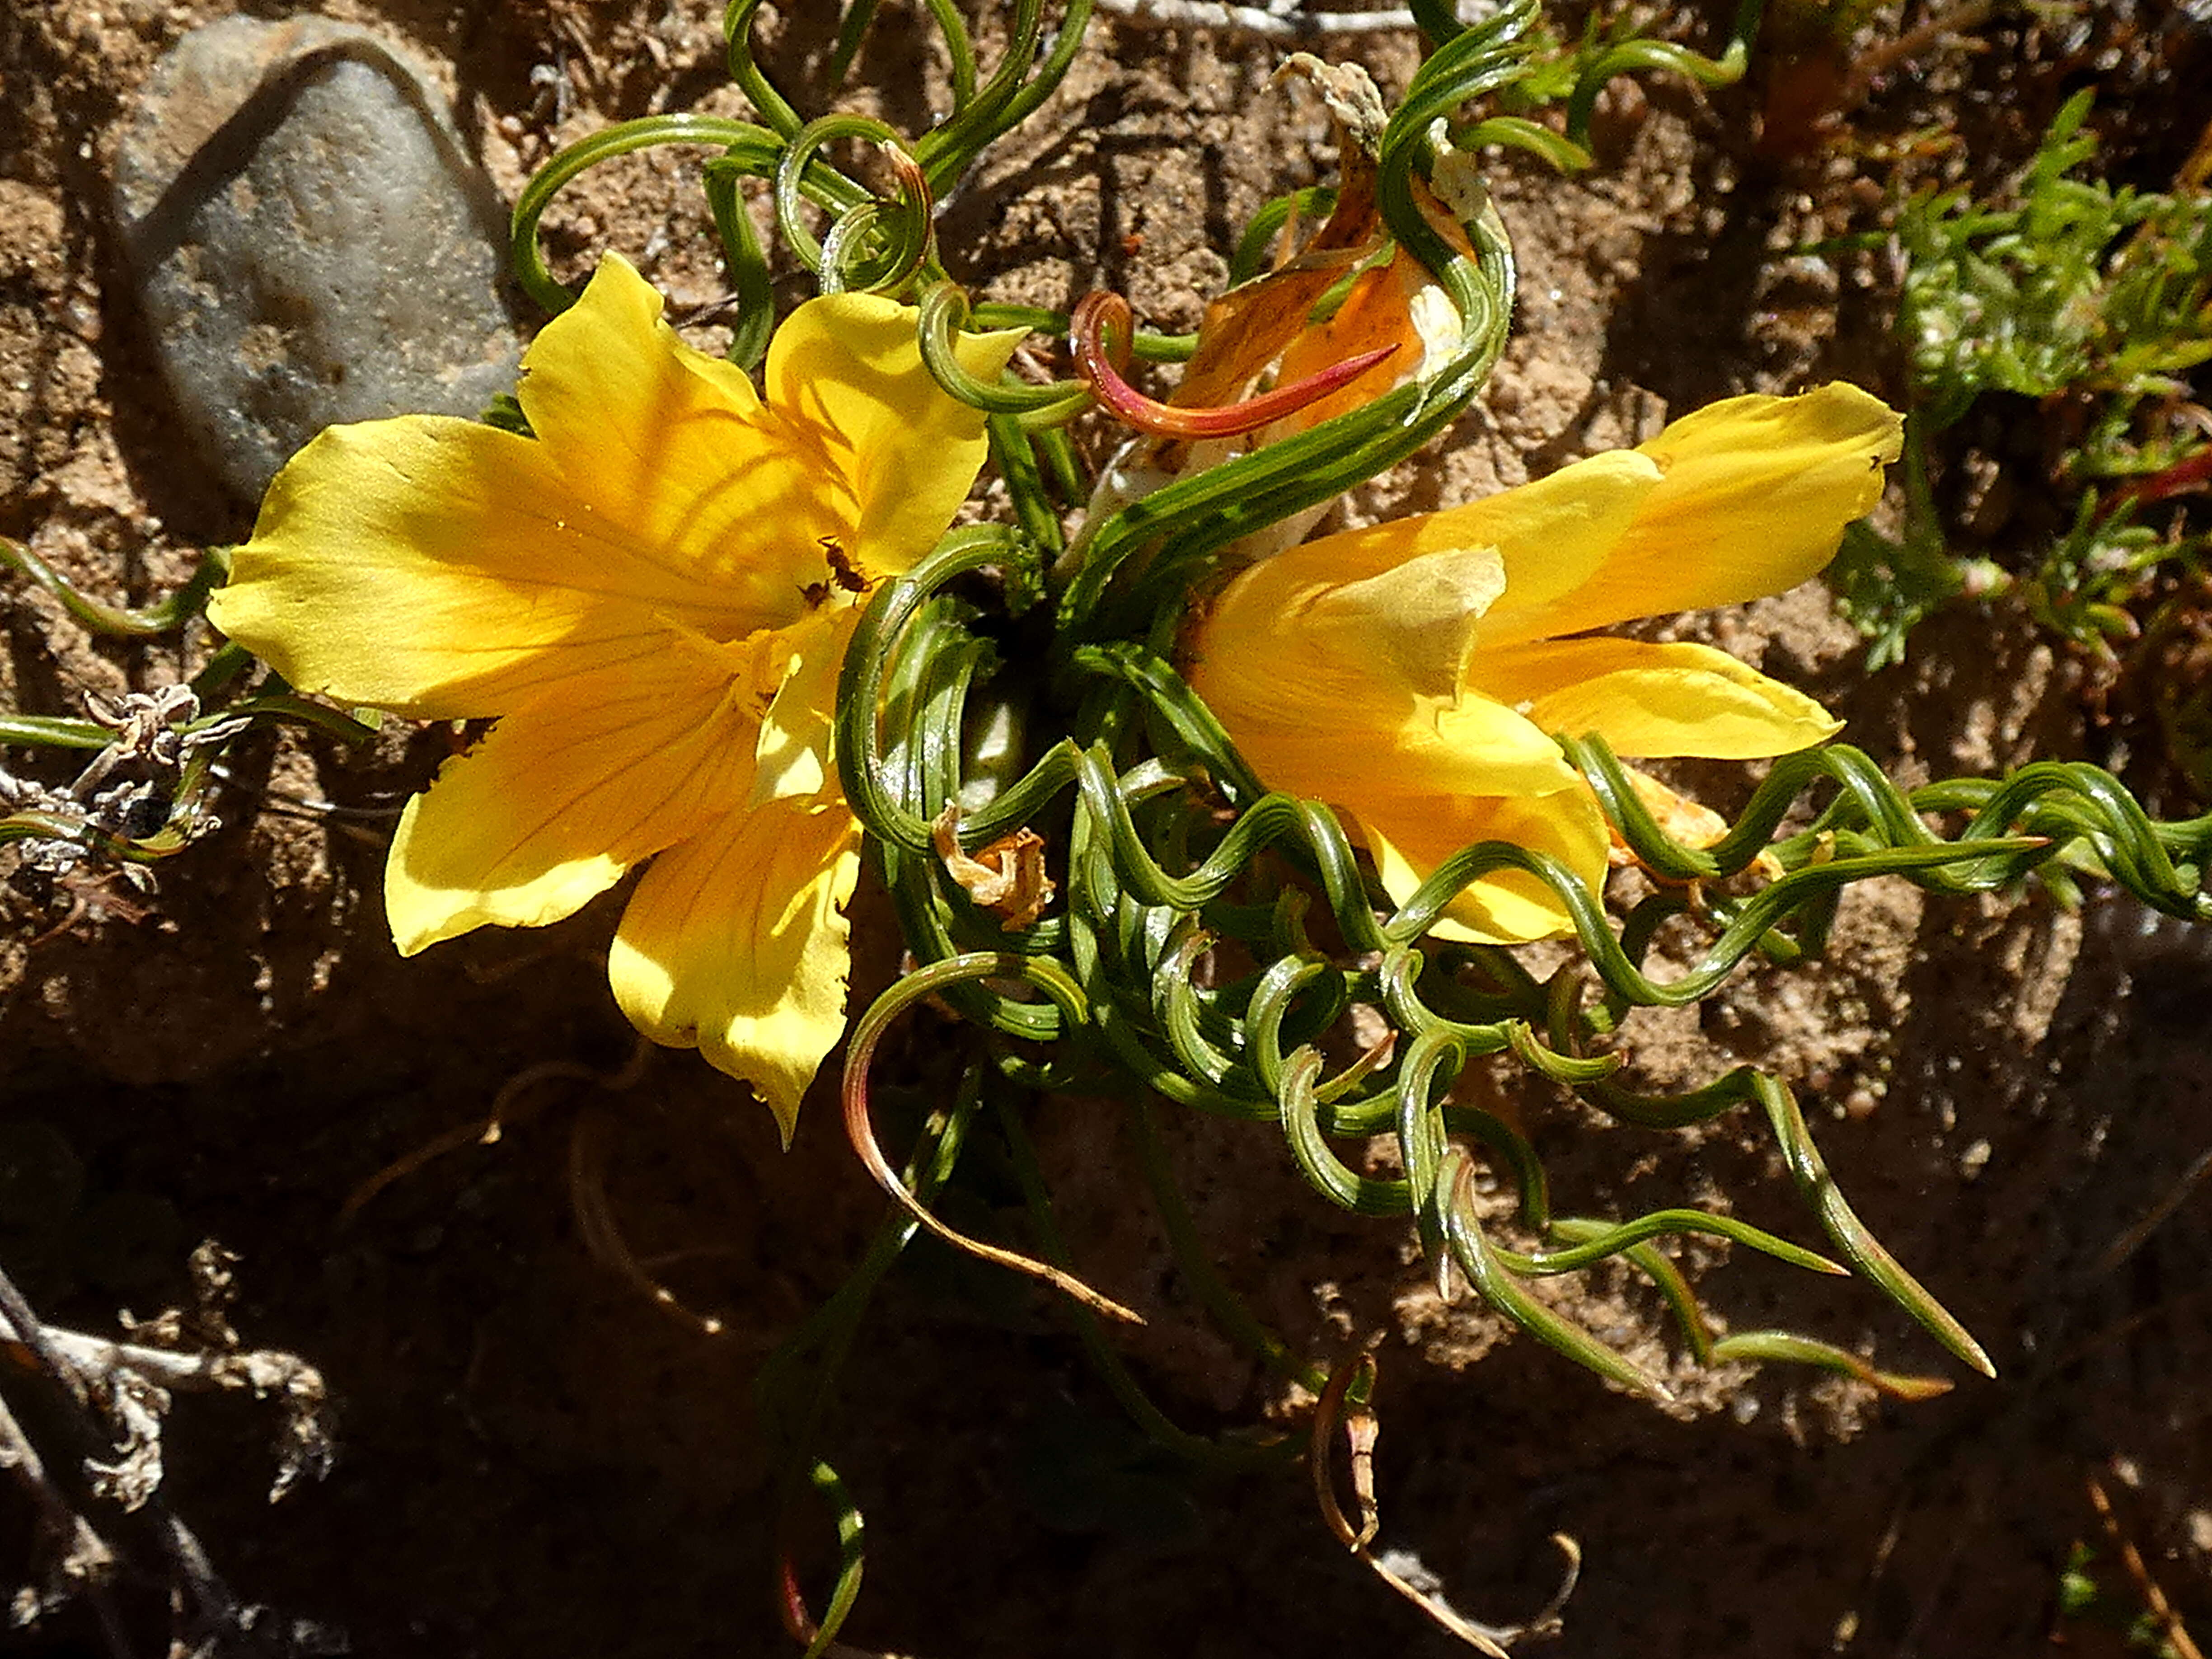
1573, 72
2081, 287
505, 412
2078, 1586
1889, 588
2097, 301
1798, 23
2084, 1598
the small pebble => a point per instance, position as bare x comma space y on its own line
310, 240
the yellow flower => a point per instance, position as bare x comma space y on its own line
1410, 675
652, 595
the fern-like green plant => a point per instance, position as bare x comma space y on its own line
2098, 296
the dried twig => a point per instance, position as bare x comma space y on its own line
81, 1561
212, 1599
2157, 1216
114, 1394
1277, 20
2170, 1627
1343, 1407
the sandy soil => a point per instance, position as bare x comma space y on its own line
535, 1459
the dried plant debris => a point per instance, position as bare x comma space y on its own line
99, 1501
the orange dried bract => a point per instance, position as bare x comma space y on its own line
1007, 876
1098, 315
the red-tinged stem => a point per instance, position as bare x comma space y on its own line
1099, 316
861, 1132
2183, 476
1329, 1412
791, 1602
909, 172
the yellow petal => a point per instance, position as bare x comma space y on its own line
1479, 747
1346, 691
585, 367
1367, 616
847, 369
1552, 536
432, 567
678, 464
794, 756
1680, 818
1655, 700
569, 790
445, 569
1755, 496
735, 943
1413, 624
1353, 750
1409, 840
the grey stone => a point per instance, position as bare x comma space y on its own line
311, 241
